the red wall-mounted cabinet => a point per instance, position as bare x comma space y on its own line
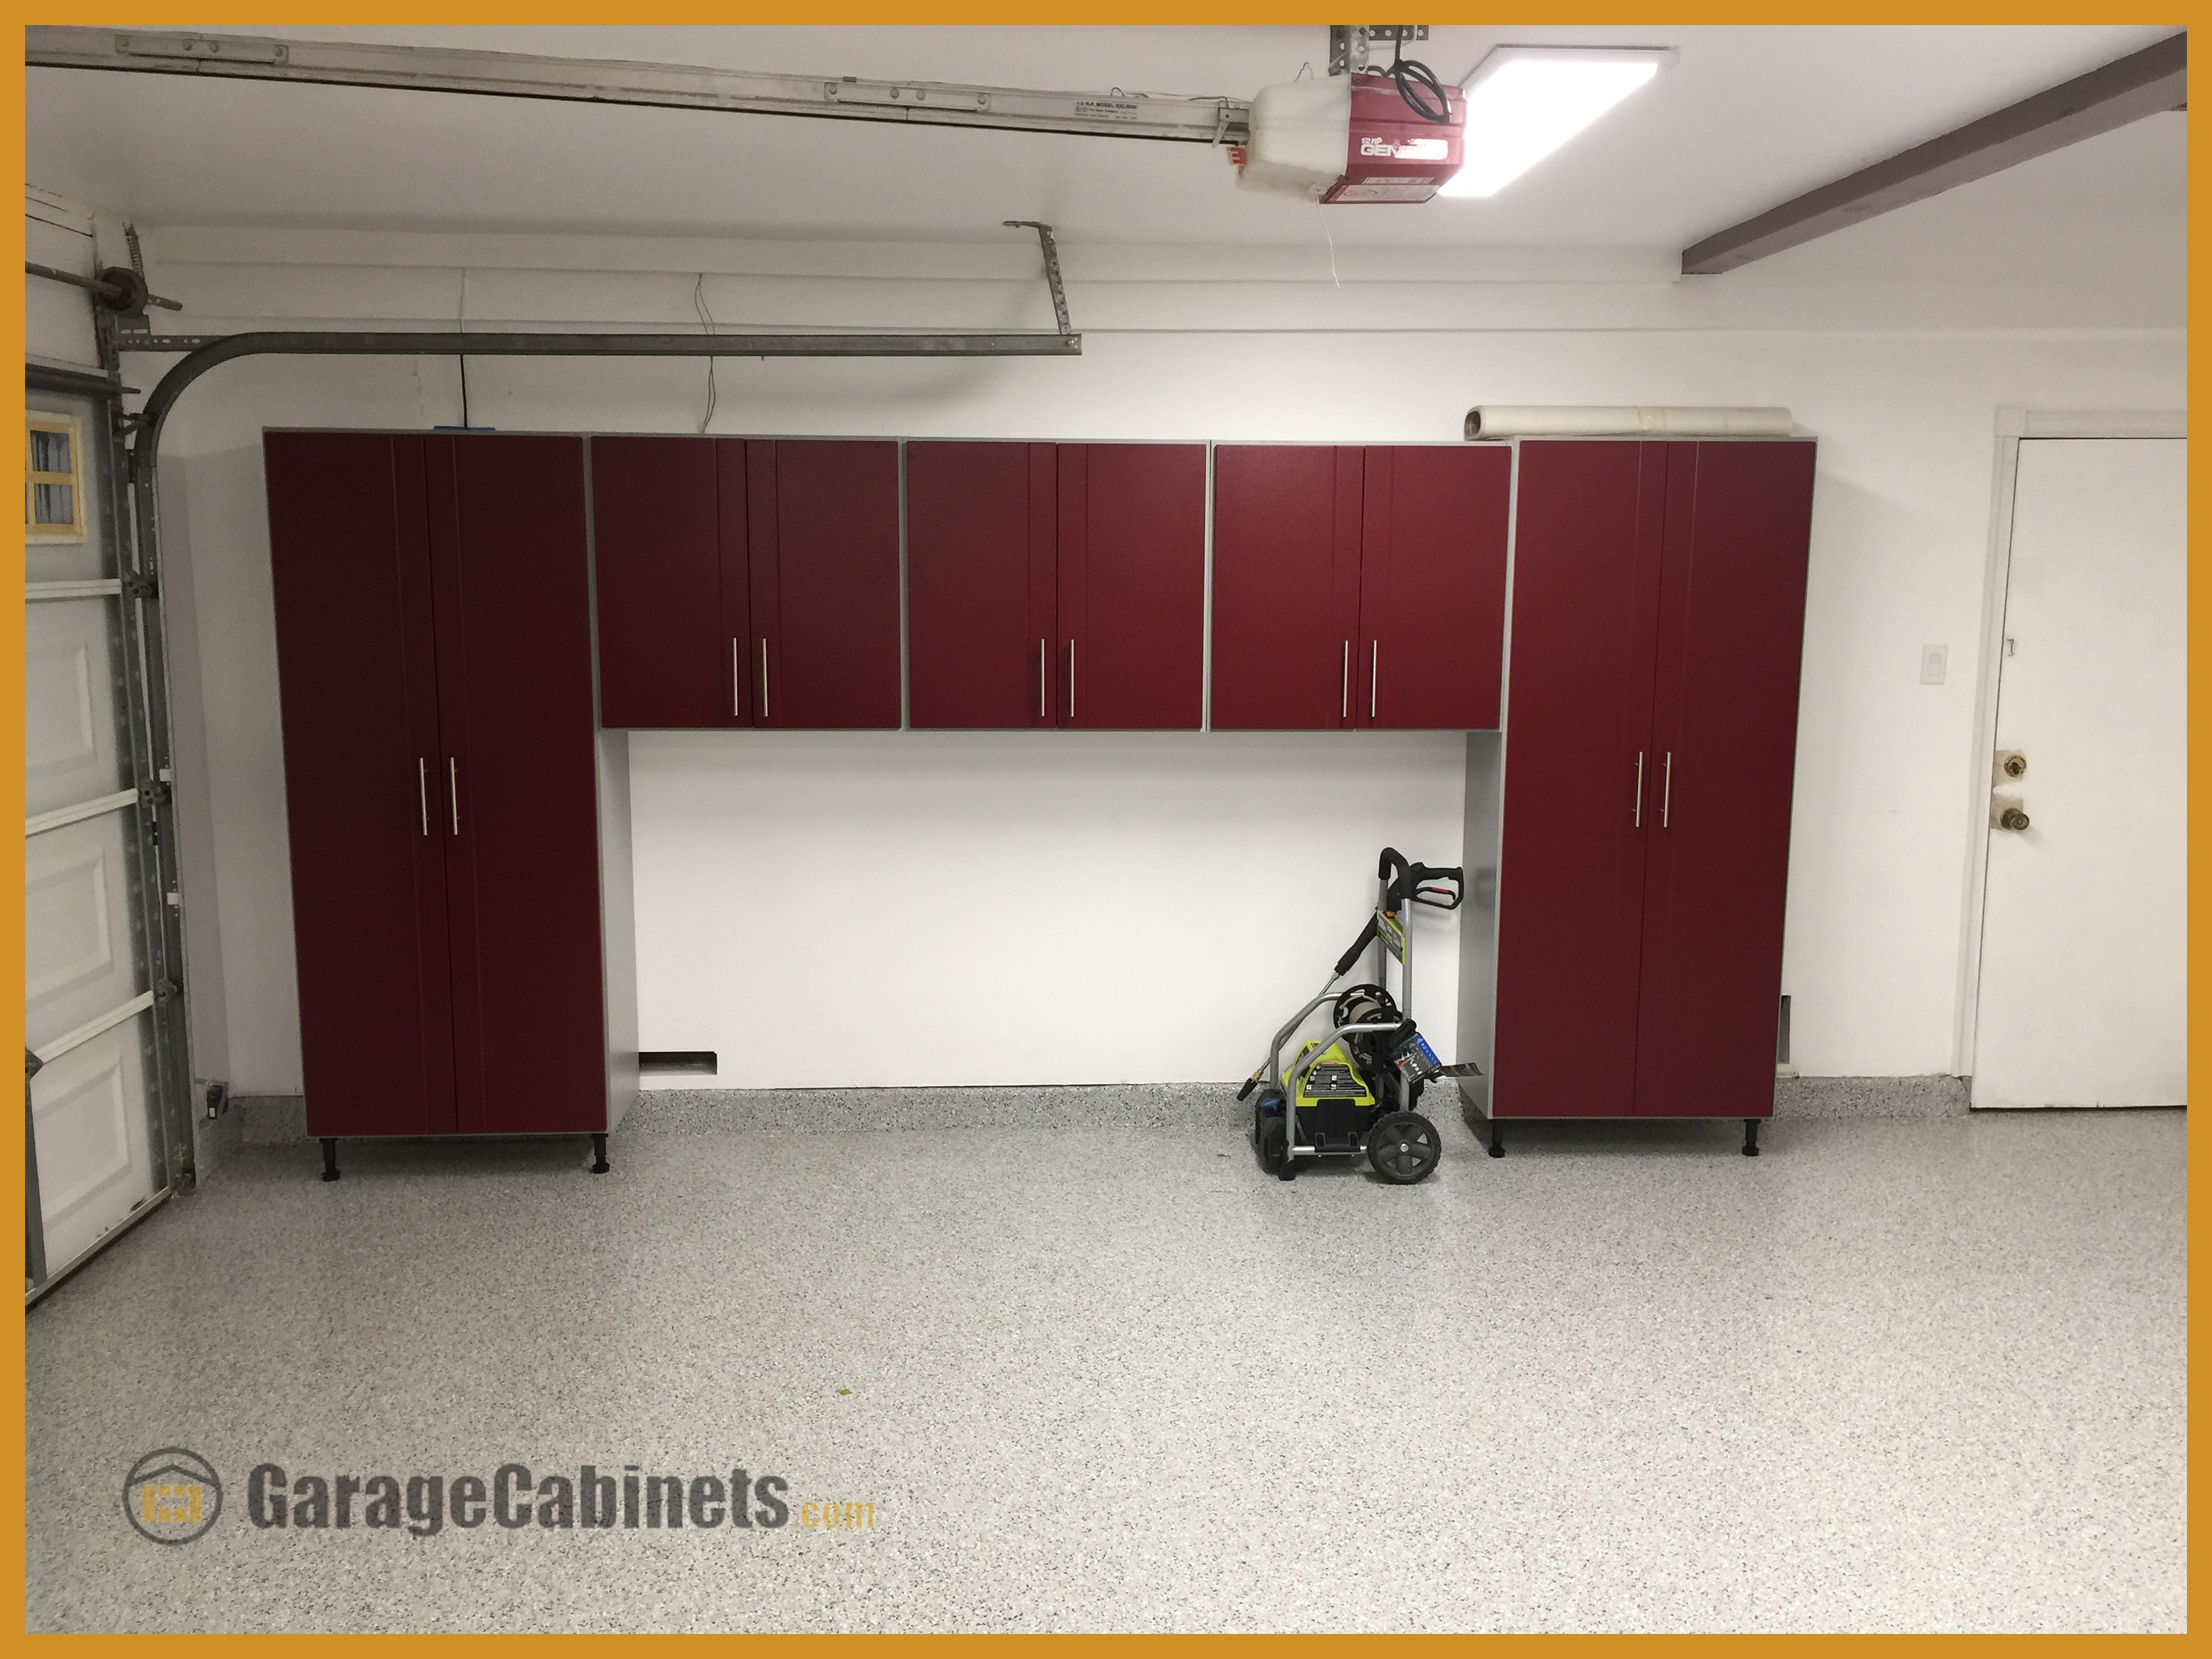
1359, 587
822, 529
665, 654
1132, 595
747, 582
1286, 526
981, 584
1056, 585
1658, 613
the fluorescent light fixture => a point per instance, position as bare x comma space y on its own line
1523, 102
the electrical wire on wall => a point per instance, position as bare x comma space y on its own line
461, 317
706, 321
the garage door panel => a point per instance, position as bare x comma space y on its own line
80, 955
89, 1114
71, 752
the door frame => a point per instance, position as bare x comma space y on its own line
2013, 425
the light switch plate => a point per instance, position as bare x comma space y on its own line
1933, 660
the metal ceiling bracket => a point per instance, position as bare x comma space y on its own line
1051, 268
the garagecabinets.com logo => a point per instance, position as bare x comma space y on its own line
513, 1497
171, 1496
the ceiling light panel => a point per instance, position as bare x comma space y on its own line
1524, 102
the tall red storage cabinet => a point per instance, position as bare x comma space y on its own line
458, 827
1641, 834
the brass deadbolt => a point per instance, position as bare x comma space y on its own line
2012, 764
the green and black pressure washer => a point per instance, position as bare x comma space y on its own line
1356, 1090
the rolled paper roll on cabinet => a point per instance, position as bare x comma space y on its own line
1625, 421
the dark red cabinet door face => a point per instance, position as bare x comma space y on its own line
1286, 525
981, 524
664, 658
823, 524
515, 708
365, 789
1432, 587
1731, 627
1132, 591
1586, 570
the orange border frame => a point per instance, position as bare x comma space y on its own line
11, 642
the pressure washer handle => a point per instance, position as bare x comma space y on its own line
1394, 868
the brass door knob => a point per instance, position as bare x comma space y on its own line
2014, 819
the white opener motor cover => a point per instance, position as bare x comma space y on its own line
1300, 132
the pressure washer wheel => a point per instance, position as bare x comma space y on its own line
1403, 1148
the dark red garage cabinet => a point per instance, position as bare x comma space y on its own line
982, 558
1056, 585
1651, 735
459, 829
1359, 587
747, 582
1286, 587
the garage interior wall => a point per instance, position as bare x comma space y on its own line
850, 908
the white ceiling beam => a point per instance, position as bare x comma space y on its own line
2142, 83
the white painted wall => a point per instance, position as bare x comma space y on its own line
1895, 360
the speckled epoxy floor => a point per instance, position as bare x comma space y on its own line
1894, 1375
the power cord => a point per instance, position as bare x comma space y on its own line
1418, 85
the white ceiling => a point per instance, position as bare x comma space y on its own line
1747, 118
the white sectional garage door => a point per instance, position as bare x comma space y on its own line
88, 990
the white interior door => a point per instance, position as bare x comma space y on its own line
86, 980
2084, 968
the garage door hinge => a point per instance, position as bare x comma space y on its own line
167, 990
139, 587
155, 793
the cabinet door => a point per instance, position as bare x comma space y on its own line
1131, 591
514, 708
1285, 587
1432, 587
823, 524
664, 659
358, 683
980, 557
1586, 565
1731, 626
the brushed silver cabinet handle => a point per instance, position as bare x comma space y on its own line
736, 680
1374, 676
422, 789
763, 680
453, 790
1638, 820
1667, 789
1344, 686
1043, 673
1070, 679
